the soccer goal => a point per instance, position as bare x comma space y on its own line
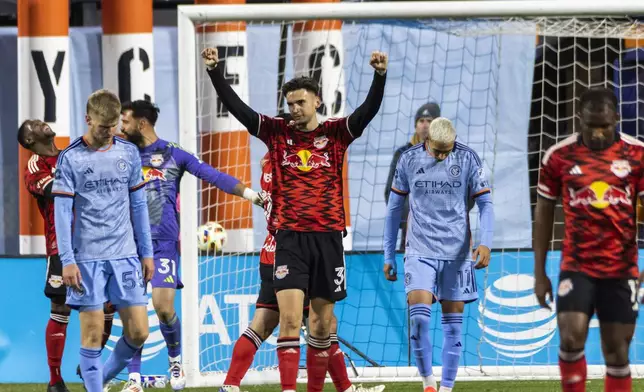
507, 73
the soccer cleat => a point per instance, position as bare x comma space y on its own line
131, 386
229, 388
177, 377
429, 389
58, 387
377, 388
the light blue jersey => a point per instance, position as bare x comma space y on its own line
100, 184
439, 191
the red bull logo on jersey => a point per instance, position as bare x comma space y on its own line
600, 195
306, 160
151, 174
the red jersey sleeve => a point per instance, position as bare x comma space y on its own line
38, 175
549, 185
342, 130
269, 128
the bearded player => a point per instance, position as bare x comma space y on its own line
164, 164
599, 174
308, 208
440, 176
266, 317
37, 137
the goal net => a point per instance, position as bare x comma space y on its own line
508, 78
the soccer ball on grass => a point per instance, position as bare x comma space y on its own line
211, 237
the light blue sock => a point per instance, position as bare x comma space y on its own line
119, 359
91, 369
421, 343
452, 347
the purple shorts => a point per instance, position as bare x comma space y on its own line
166, 264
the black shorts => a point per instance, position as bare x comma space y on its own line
312, 262
614, 300
267, 298
54, 286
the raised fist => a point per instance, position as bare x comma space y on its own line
210, 57
379, 61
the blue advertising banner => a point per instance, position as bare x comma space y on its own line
505, 327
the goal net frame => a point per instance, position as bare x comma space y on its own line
189, 16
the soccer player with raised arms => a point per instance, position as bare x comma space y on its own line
598, 174
104, 241
164, 164
308, 208
440, 176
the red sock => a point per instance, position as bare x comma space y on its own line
317, 363
618, 379
573, 371
338, 368
288, 357
107, 328
243, 355
55, 341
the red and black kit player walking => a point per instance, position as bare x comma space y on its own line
599, 174
266, 317
308, 208
37, 137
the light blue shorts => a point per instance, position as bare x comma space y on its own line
118, 281
447, 279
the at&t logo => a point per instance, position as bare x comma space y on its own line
512, 321
155, 342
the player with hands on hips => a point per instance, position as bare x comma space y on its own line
439, 176
104, 240
307, 207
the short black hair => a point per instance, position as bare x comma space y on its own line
301, 82
22, 133
595, 98
142, 109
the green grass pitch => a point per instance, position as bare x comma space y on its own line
486, 386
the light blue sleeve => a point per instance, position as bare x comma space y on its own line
64, 180
139, 210
63, 191
478, 183
400, 183
480, 191
399, 190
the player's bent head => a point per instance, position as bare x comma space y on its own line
302, 96
598, 117
31, 132
104, 106
441, 137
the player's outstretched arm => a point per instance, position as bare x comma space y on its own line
223, 181
242, 112
362, 116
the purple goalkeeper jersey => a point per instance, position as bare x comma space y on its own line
163, 164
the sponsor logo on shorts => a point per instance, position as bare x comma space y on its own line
565, 287
281, 272
407, 279
55, 281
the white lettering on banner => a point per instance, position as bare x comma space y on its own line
208, 304
49, 78
125, 72
245, 302
128, 65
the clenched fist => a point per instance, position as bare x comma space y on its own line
378, 61
210, 57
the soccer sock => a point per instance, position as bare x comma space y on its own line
243, 355
134, 367
91, 369
317, 362
618, 379
337, 366
55, 335
172, 335
421, 343
452, 346
572, 366
107, 328
118, 359
288, 357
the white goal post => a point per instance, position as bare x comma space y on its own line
604, 20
